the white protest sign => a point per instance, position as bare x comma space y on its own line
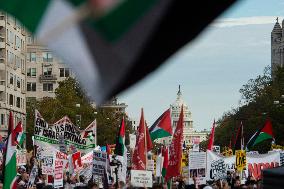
47, 164
132, 141
121, 171
159, 166
58, 173
197, 166
141, 178
99, 162
21, 157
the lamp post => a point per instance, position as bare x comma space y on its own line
78, 117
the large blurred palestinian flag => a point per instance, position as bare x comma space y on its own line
111, 44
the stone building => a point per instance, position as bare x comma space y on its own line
12, 71
44, 71
190, 135
277, 46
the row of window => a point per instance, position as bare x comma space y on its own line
14, 59
48, 87
12, 100
4, 119
45, 57
63, 72
15, 80
15, 41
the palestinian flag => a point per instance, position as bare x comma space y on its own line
165, 154
263, 134
19, 133
162, 126
10, 169
111, 44
90, 132
120, 148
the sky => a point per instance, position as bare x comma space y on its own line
212, 68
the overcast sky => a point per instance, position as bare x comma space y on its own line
212, 68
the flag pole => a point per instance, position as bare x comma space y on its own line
145, 139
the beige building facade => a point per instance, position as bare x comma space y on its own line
44, 71
12, 71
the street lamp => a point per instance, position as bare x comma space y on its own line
78, 117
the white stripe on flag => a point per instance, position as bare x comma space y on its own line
70, 46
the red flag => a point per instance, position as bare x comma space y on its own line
140, 152
175, 150
148, 140
211, 139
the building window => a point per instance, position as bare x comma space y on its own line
64, 72
18, 82
32, 56
31, 86
47, 71
2, 121
11, 79
48, 87
11, 100
31, 72
18, 102
47, 57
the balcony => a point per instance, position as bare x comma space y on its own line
2, 23
51, 78
2, 45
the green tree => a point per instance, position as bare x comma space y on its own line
67, 95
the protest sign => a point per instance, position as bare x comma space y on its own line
47, 164
132, 141
99, 162
141, 178
58, 173
77, 162
150, 165
61, 131
159, 166
121, 168
197, 166
21, 157
33, 175
240, 160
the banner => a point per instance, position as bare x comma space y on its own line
218, 165
58, 173
150, 165
240, 160
99, 163
197, 166
141, 178
21, 156
61, 131
121, 171
256, 163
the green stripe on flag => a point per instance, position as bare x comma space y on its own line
261, 137
119, 20
10, 172
77, 2
160, 133
28, 12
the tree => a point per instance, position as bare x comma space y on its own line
258, 97
67, 95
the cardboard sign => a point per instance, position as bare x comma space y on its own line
141, 178
240, 160
99, 162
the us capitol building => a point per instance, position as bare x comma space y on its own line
190, 135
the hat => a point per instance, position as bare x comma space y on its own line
23, 168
